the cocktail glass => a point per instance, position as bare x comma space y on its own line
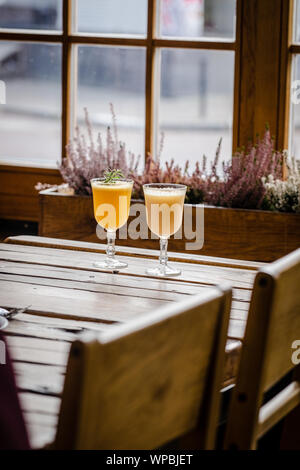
164, 209
111, 209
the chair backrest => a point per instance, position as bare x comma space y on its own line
273, 326
143, 384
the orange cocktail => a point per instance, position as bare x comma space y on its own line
164, 210
111, 203
111, 198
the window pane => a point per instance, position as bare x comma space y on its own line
196, 105
297, 21
198, 18
112, 16
30, 121
295, 109
31, 14
113, 75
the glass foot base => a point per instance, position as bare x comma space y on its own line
163, 271
110, 265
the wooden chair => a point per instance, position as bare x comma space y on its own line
273, 325
143, 384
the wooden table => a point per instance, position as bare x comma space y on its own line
67, 295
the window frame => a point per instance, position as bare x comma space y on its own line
293, 49
262, 84
151, 42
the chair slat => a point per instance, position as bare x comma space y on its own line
278, 407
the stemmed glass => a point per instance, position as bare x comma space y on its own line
111, 209
164, 209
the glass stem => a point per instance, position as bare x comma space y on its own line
110, 249
163, 256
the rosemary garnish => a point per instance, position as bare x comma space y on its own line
112, 176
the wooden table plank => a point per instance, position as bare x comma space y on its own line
59, 303
41, 419
40, 435
76, 304
102, 278
39, 380
136, 252
38, 344
35, 356
109, 285
112, 280
18, 328
61, 324
112, 290
136, 266
45, 405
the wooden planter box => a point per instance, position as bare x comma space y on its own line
229, 233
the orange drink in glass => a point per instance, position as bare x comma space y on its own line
111, 210
164, 210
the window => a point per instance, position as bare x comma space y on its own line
31, 15
195, 108
111, 17
30, 122
113, 74
167, 66
294, 140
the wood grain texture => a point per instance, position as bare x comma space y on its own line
39, 380
89, 247
260, 68
18, 197
228, 233
67, 298
42, 267
16, 207
247, 72
84, 261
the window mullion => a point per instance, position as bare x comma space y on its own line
30, 36
66, 74
285, 72
197, 44
237, 77
149, 124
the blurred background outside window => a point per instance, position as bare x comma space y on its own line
195, 96
295, 92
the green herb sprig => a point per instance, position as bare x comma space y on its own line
112, 176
